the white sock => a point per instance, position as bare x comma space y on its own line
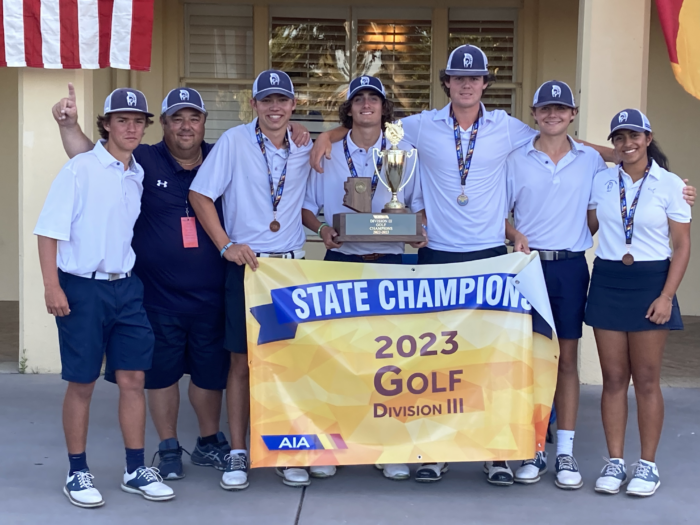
239, 451
565, 442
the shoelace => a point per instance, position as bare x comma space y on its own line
641, 470
169, 455
538, 457
612, 469
567, 463
236, 461
84, 479
151, 474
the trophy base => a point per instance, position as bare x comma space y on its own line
399, 226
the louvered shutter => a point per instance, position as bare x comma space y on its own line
497, 39
398, 52
314, 54
219, 63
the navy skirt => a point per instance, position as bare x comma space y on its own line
620, 296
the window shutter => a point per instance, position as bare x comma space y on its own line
497, 39
398, 52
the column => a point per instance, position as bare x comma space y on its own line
612, 71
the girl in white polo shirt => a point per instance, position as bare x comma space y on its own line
637, 207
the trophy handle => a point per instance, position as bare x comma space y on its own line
413, 152
376, 155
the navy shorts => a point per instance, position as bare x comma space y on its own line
430, 256
567, 286
389, 258
191, 345
106, 317
236, 340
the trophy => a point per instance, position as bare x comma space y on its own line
395, 223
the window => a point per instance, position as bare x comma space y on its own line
219, 63
322, 54
494, 32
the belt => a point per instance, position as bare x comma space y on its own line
372, 256
102, 276
296, 254
554, 255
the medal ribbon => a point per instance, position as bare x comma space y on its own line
463, 163
628, 219
351, 164
275, 195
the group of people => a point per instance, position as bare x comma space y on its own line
143, 252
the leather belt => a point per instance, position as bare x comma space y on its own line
554, 255
296, 254
372, 256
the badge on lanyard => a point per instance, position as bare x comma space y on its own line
464, 163
189, 232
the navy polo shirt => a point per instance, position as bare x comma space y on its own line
176, 280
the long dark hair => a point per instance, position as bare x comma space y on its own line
654, 152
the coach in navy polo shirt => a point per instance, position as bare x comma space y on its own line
183, 278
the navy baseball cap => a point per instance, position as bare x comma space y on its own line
629, 119
467, 61
366, 82
179, 98
126, 99
554, 92
272, 81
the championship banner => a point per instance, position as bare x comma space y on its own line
369, 363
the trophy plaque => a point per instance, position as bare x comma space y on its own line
395, 223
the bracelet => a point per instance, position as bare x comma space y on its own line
223, 250
318, 232
667, 297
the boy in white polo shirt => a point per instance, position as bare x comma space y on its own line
261, 176
85, 231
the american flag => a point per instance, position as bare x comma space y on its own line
76, 34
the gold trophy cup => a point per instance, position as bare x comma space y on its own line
395, 160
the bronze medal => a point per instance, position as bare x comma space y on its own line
274, 226
627, 259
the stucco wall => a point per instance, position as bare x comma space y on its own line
9, 230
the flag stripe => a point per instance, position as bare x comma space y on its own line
50, 25
89, 34
105, 8
141, 41
669, 16
13, 21
120, 50
3, 61
32, 33
70, 41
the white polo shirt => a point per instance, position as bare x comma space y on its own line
236, 169
326, 190
91, 209
550, 201
661, 199
481, 223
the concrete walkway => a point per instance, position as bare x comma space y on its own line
34, 464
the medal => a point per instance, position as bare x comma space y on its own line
275, 195
628, 218
462, 163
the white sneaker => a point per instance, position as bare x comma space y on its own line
294, 476
645, 480
612, 477
325, 471
395, 471
147, 482
499, 473
532, 470
430, 472
235, 476
81, 492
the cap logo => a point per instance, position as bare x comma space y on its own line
468, 60
130, 98
184, 94
364, 81
622, 117
274, 79
556, 91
